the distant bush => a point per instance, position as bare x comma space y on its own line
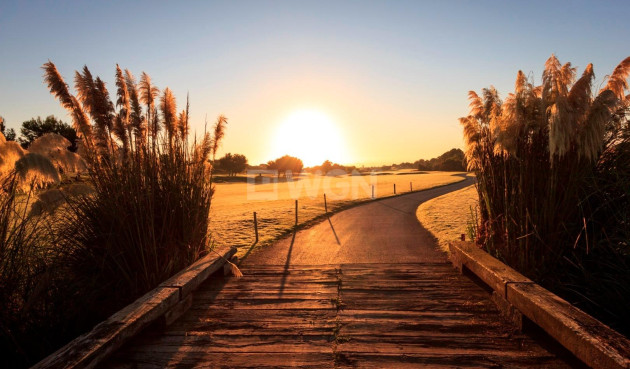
231, 164
36, 127
286, 164
328, 167
453, 160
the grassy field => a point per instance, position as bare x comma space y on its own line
447, 216
234, 203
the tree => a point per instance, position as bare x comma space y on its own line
452, 160
9, 134
285, 164
231, 163
36, 127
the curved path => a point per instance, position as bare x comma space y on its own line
367, 288
382, 231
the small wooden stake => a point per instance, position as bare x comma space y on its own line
394, 188
463, 237
372, 191
410, 187
325, 204
296, 212
256, 226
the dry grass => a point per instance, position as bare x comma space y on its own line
232, 207
447, 217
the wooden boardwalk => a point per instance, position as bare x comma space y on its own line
325, 316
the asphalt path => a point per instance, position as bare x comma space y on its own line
381, 231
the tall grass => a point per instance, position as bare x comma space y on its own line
553, 170
144, 218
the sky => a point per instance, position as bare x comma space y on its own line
390, 77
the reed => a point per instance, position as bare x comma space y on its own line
553, 168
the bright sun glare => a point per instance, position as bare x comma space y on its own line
311, 136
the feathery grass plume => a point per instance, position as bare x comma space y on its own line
59, 89
219, 132
68, 161
85, 87
182, 124
556, 79
49, 142
35, 170
135, 117
10, 152
54, 147
618, 80
169, 113
183, 120
476, 104
48, 201
122, 126
94, 97
148, 94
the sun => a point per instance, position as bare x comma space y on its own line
311, 136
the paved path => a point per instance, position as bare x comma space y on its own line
383, 231
375, 292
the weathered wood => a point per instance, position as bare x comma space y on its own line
255, 360
490, 270
588, 339
190, 278
90, 349
368, 315
176, 311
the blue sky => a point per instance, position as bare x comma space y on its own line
393, 75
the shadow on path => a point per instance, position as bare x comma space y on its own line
286, 265
333, 229
251, 247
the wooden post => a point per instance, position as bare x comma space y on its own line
372, 191
410, 187
463, 237
394, 188
325, 204
296, 212
256, 226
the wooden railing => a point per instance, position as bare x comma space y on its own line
588, 339
166, 302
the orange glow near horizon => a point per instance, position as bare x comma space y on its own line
311, 136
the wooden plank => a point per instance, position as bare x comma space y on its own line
392, 316
461, 360
190, 278
254, 360
493, 272
587, 338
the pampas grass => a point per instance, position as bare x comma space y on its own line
35, 170
72, 255
544, 159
